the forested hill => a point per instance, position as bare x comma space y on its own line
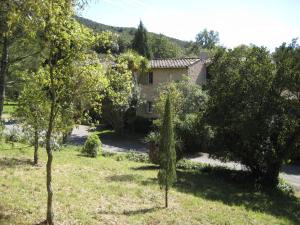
127, 33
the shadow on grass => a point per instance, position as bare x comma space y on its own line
236, 188
14, 162
132, 212
152, 167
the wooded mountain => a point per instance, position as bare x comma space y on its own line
127, 33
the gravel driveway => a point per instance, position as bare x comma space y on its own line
110, 143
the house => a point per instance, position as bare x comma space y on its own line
164, 71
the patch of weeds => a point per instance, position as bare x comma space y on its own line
186, 164
285, 188
137, 157
131, 156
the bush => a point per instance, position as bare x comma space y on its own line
131, 156
92, 146
153, 141
186, 164
194, 134
285, 188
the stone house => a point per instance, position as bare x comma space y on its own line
164, 71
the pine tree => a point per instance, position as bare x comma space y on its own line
167, 172
140, 41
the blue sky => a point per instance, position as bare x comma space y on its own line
261, 22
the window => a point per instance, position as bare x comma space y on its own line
150, 78
149, 107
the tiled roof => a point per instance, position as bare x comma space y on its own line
173, 63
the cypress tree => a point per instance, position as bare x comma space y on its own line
167, 172
140, 41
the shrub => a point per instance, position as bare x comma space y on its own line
130, 156
92, 146
194, 134
153, 140
137, 157
186, 164
285, 188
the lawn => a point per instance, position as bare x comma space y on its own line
107, 190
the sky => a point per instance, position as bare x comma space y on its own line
266, 23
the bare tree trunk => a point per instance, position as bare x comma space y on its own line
166, 194
36, 147
3, 72
50, 214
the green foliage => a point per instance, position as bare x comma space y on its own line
287, 59
32, 105
285, 188
161, 47
70, 77
92, 146
14, 24
189, 103
140, 41
254, 122
106, 42
167, 173
122, 92
132, 156
207, 39
126, 34
153, 142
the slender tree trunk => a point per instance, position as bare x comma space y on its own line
36, 147
50, 214
166, 194
3, 72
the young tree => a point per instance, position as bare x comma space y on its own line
167, 172
140, 41
31, 111
69, 77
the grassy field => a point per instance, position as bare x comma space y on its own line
108, 191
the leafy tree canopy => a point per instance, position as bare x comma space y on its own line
162, 48
254, 122
140, 41
207, 39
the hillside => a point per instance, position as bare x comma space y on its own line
126, 32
